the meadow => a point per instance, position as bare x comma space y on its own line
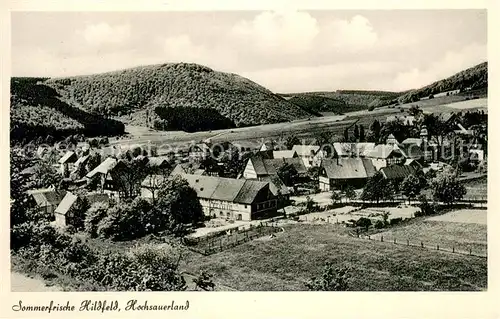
289, 260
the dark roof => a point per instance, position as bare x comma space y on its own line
68, 157
47, 197
398, 171
271, 166
82, 160
225, 189
158, 161
348, 168
275, 184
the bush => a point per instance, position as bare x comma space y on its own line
379, 224
364, 222
395, 221
371, 108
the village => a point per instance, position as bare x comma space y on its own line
277, 179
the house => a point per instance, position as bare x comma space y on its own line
47, 199
235, 199
385, 155
397, 173
476, 155
81, 162
410, 151
188, 168
103, 172
414, 163
285, 154
152, 184
353, 149
159, 164
67, 162
391, 140
199, 151
278, 189
258, 167
340, 172
64, 214
267, 146
311, 155
413, 141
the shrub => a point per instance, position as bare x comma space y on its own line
379, 224
364, 222
396, 221
371, 108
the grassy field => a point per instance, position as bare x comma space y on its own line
477, 188
444, 232
290, 259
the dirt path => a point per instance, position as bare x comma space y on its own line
22, 283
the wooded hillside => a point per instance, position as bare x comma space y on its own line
176, 85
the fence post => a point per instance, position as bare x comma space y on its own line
437, 247
470, 251
422, 244
453, 249
407, 242
220, 243
381, 238
394, 240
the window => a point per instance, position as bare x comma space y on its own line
228, 215
239, 217
221, 214
245, 206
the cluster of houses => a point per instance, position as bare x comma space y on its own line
258, 191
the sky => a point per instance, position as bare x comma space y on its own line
285, 51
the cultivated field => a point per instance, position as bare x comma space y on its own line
287, 261
463, 230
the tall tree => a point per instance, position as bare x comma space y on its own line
288, 174
356, 133
128, 175
374, 134
346, 135
439, 129
447, 188
361, 133
411, 187
377, 188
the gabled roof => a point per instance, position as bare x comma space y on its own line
382, 151
273, 165
82, 160
411, 150
70, 199
275, 184
412, 162
285, 154
225, 189
413, 140
158, 161
68, 157
47, 196
353, 149
187, 168
348, 168
397, 171
103, 168
66, 203
306, 150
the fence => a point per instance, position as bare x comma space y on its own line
457, 249
212, 245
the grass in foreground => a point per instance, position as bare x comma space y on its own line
292, 258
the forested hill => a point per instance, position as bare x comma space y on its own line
474, 78
175, 86
37, 113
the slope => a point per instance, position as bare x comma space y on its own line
127, 92
37, 112
474, 78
